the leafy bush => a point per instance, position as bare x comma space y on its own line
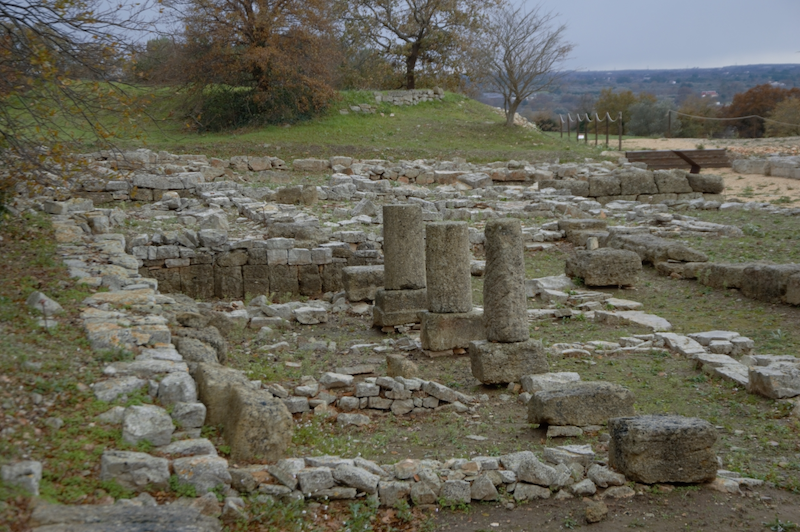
788, 112
650, 118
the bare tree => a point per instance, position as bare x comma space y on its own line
431, 32
522, 54
59, 65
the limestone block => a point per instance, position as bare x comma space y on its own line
447, 260
706, 183
777, 381
636, 181
548, 381
137, 471
672, 181
283, 279
768, 282
654, 449
450, 331
214, 388
580, 404
147, 423
498, 363
256, 425
204, 472
310, 165
605, 267
228, 282
604, 185
398, 307
362, 282
25, 475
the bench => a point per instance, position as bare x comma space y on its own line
691, 160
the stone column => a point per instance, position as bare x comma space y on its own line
447, 265
504, 301
450, 322
404, 295
508, 354
403, 247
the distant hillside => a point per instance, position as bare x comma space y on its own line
579, 89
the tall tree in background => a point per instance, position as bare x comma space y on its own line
759, 101
614, 103
259, 60
59, 62
523, 52
787, 119
705, 107
433, 34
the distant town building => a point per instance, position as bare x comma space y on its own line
709, 94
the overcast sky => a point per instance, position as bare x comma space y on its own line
640, 34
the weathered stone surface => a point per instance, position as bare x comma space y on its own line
530, 492
652, 449
570, 454
706, 183
358, 420
147, 423
193, 447
778, 381
189, 415
654, 249
548, 381
455, 492
392, 492
505, 308
314, 479
496, 363
596, 511
194, 350
403, 247
203, 472
632, 317
440, 391
256, 425
449, 331
581, 404
357, 477
214, 384
449, 282
767, 282
636, 181
110, 389
398, 307
399, 366
362, 282
604, 185
604, 477
177, 388
43, 304
672, 181
483, 489
136, 471
533, 471
605, 267
25, 475
120, 518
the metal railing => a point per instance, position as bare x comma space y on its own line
586, 120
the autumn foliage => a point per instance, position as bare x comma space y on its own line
263, 60
761, 100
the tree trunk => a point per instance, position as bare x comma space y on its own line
511, 111
411, 64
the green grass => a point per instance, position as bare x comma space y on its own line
454, 127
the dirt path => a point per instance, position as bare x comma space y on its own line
747, 187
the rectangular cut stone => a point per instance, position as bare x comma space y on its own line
362, 282
655, 449
257, 425
398, 307
499, 363
580, 404
450, 331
